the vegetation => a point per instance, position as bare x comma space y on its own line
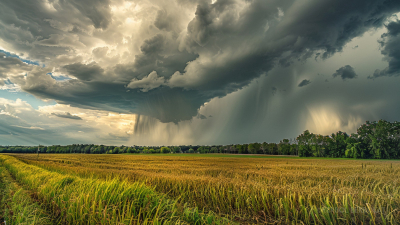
74, 200
373, 140
16, 206
244, 190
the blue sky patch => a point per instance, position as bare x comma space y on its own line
59, 78
32, 100
8, 54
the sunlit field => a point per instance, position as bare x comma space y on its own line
199, 189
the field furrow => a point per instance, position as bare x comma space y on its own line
75, 200
16, 204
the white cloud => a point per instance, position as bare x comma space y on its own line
29, 128
15, 107
147, 83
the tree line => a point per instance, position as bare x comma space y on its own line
373, 140
282, 148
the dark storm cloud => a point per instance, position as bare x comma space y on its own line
156, 56
345, 72
166, 104
153, 45
227, 45
98, 11
318, 26
85, 72
45, 29
67, 115
304, 83
391, 50
163, 20
393, 28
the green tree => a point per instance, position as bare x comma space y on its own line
177, 149
252, 148
284, 147
116, 150
304, 142
165, 150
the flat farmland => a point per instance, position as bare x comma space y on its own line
223, 190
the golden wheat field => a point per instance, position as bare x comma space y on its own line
212, 189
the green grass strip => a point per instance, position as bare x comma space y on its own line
74, 200
16, 206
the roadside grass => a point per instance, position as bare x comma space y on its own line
74, 200
16, 205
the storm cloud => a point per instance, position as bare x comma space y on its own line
391, 50
67, 115
345, 72
168, 61
304, 83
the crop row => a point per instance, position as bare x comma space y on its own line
73, 200
256, 190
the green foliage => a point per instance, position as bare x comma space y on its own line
177, 149
254, 148
284, 147
214, 150
373, 140
16, 206
165, 150
75, 200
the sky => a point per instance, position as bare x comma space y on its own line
194, 72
